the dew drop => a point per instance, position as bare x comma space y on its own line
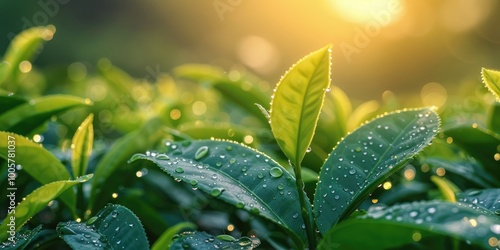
240, 204
431, 210
216, 192
229, 148
281, 186
114, 214
295, 215
179, 170
308, 150
162, 157
193, 183
276, 172
352, 171
201, 152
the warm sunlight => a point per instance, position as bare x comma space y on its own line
362, 11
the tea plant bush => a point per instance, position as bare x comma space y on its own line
201, 159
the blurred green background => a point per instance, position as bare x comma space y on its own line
379, 45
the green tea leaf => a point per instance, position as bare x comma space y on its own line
386, 228
35, 160
166, 238
35, 202
362, 113
114, 227
23, 47
447, 188
468, 169
297, 103
479, 142
26, 117
202, 240
491, 78
21, 239
486, 198
10, 101
242, 92
237, 174
82, 146
138, 141
366, 157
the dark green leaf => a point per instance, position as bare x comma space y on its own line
384, 228
202, 240
21, 239
480, 143
26, 117
8, 102
366, 157
236, 174
469, 170
36, 201
486, 198
114, 227
138, 141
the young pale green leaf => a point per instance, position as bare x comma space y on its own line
491, 78
166, 238
386, 228
35, 202
35, 160
23, 47
479, 142
447, 188
28, 116
366, 157
236, 174
82, 146
202, 240
21, 240
114, 227
297, 103
8, 101
138, 141
486, 198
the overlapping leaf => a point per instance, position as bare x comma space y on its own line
367, 157
236, 174
36, 201
202, 240
491, 79
385, 228
114, 227
26, 117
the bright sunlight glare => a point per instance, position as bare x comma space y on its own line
363, 11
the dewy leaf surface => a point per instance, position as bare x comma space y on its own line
236, 174
486, 198
36, 201
367, 157
202, 240
386, 228
114, 227
297, 103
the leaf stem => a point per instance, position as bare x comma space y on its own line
306, 216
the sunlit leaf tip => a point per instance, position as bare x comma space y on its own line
491, 78
297, 102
